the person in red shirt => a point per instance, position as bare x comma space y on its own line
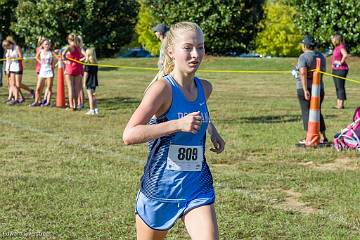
73, 70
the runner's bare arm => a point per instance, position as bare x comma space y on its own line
19, 52
37, 57
65, 60
216, 139
344, 55
303, 77
156, 101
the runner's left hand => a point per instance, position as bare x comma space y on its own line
218, 142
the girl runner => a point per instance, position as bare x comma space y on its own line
177, 182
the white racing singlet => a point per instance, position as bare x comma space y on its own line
46, 59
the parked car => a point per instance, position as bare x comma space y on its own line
136, 53
232, 53
250, 55
243, 55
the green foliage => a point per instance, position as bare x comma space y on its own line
280, 36
323, 18
110, 24
106, 24
143, 27
229, 25
7, 16
53, 20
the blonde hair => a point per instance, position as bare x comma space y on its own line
80, 41
46, 40
90, 56
10, 40
5, 43
74, 38
168, 43
338, 39
40, 41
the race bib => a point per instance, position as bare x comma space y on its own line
185, 158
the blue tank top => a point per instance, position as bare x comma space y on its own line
176, 168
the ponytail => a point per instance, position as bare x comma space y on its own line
167, 63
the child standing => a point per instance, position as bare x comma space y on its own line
173, 116
91, 79
46, 73
73, 70
14, 67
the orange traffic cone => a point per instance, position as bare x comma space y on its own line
60, 96
313, 132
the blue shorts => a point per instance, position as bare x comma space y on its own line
160, 215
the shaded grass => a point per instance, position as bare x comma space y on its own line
69, 175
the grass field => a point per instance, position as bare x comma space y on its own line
66, 175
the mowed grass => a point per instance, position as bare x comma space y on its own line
66, 175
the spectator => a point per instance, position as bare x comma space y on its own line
73, 70
339, 68
91, 79
14, 67
306, 63
46, 74
160, 31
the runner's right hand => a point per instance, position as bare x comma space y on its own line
190, 123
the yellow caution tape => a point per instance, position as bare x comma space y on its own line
244, 71
204, 70
110, 66
12, 59
333, 75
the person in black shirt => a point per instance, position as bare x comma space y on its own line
91, 79
306, 63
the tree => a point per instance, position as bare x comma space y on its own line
144, 29
229, 25
106, 24
280, 36
322, 18
110, 24
52, 20
7, 16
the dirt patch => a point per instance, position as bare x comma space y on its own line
345, 164
292, 203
